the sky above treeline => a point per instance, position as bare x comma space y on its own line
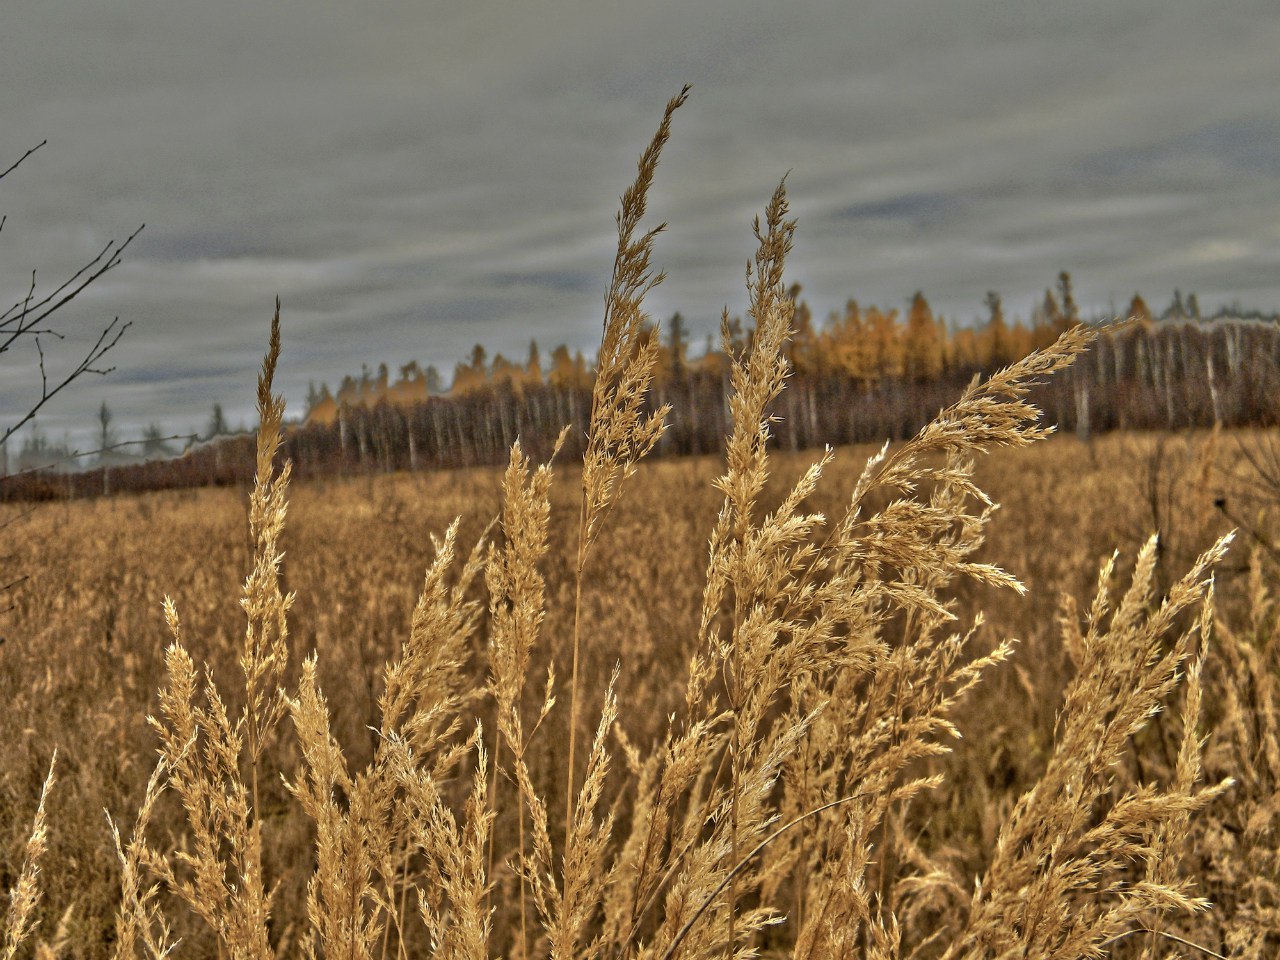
412, 178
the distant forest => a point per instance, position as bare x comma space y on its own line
863, 375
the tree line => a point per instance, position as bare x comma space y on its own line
862, 375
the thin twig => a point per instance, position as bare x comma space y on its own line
1143, 928
77, 454
742, 865
17, 163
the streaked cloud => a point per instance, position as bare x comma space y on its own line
414, 178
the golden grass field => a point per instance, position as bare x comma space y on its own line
83, 656
744, 706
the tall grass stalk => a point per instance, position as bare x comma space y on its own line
620, 432
24, 897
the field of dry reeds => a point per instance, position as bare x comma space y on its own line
752, 705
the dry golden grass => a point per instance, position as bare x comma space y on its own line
84, 648
719, 718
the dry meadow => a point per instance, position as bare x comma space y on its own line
84, 651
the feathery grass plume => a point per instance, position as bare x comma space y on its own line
790, 625
620, 433
208, 754
1166, 867
1239, 846
371, 825
424, 692
24, 897
364, 838
454, 896
427, 685
354, 840
141, 926
517, 606
754, 564
897, 696
367, 829
569, 915
265, 652
898, 715
897, 688
906, 551
1073, 870
567, 905
517, 592
757, 564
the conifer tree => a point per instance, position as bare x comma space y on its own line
805, 347
1139, 310
1070, 312
675, 352
533, 367
995, 350
1053, 318
435, 383
566, 370
884, 342
922, 342
217, 422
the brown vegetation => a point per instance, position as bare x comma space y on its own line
588, 733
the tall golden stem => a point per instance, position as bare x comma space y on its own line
573, 681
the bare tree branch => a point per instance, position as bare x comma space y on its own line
30, 317
17, 163
77, 454
107, 339
25, 316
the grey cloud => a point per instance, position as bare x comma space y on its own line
193, 372
1246, 147
575, 281
918, 209
414, 178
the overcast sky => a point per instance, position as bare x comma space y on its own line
414, 177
